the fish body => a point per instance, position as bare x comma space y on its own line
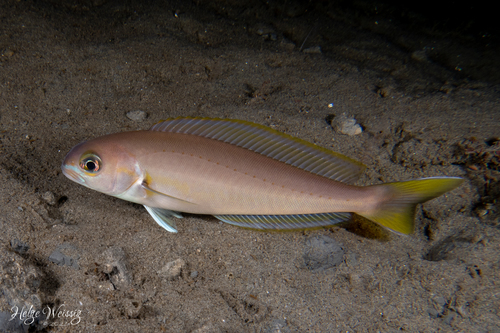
242, 173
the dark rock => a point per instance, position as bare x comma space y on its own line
18, 246
11, 325
20, 283
65, 255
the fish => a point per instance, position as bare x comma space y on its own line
244, 174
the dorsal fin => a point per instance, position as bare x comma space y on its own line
271, 143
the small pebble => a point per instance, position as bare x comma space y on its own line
419, 56
172, 269
8, 53
262, 29
278, 326
132, 307
194, 274
287, 45
49, 198
272, 37
347, 126
137, 115
314, 49
116, 265
57, 258
386, 91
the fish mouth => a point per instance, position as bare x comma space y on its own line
68, 171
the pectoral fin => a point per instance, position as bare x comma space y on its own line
164, 217
150, 191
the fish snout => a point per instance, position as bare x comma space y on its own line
69, 171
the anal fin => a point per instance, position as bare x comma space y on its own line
285, 222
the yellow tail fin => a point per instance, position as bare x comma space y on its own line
398, 213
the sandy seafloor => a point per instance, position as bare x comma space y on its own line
424, 88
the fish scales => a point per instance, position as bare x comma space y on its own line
214, 177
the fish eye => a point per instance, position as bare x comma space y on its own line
91, 163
